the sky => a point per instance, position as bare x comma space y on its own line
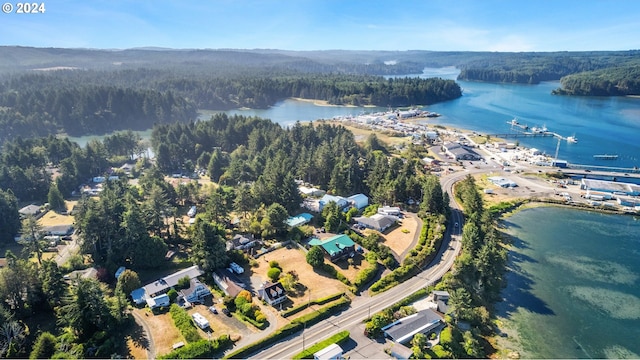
447, 25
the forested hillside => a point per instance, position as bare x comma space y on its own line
531, 68
99, 91
96, 102
607, 82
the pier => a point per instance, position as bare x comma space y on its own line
526, 134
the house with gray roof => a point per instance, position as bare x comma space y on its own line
161, 286
378, 222
403, 330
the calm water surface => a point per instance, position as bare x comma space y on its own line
574, 290
574, 286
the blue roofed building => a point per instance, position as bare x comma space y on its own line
342, 202
299, 220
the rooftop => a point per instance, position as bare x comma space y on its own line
333, 245
404, 329
299, 219
172, 280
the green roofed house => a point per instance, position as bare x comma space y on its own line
336, 247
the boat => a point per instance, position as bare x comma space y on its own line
606, 156
539, 130
572, 139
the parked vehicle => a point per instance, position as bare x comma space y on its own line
226, 312
213, 309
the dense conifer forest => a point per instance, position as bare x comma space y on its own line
79, 91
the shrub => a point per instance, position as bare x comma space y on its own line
274, 274
321, 301
172, 294
245, 294
183, 322
200, 349
315, 257
365, 275
274, 264
291, 328
44, 347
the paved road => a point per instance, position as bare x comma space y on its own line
362, 307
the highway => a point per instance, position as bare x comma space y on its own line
363, 306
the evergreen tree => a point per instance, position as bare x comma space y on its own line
209, 248
9, 217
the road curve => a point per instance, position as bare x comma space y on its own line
362, 308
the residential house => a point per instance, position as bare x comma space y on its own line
335, 247
299, 220
196, 292
359, 201
402, 330
58, 230
241, 242
228, 282
272, 293
341, 201
311, 191
390, 210
30, 210
377, 221
158, 301
161, 286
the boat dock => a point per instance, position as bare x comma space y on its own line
526, 134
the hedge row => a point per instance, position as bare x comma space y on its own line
296, 309
259, 325
291, 328
365, 275
200, 349
338, 338
420, 256
183, 322
335, 273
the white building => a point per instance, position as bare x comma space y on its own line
331, 352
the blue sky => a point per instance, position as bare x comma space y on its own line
478, 25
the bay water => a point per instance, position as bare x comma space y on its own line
573, 291
574, 284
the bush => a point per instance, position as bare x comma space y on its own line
291, 328
172, 294
183, 322
321, 301
44, 347
365, 275
274, 274
200, 349
274, 264
315, 257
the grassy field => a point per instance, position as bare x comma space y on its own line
318, 286
361, 133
